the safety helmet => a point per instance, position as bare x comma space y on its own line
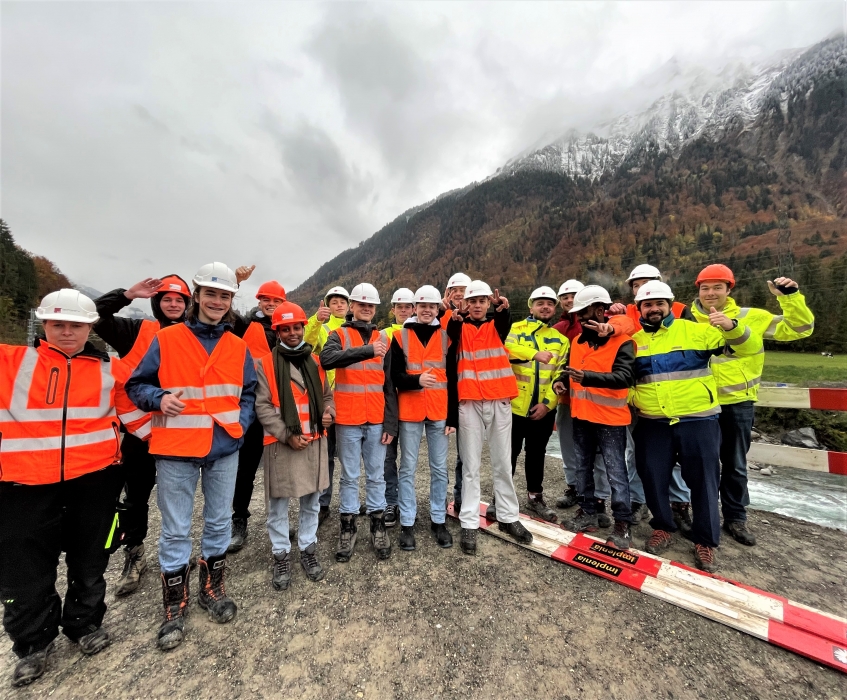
288, 312
460, 279
644, 272
216, 275
571, 287
174, 283
716, 272
67, 305
272, 290
477, 288
428, 295
654, 289
403, 296
588, 295
337, 292
365, 293
542, 293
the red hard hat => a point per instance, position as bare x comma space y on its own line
287, 312
174, 283
716, 272
272, 290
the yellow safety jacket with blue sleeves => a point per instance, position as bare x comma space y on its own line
535, 379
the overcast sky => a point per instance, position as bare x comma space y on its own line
140, 139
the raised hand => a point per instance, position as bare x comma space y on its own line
243, 273
171, 405
323, 312
781, 282
500, 302
380, 348
602, 329
720, 320
144, 289
617, 309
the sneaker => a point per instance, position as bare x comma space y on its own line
640, 512
239, 534
135, 564
391, 513
740, 533
309, 562
212, 597
31, 667
620, 537
704, 558
347, 539
468, 541
490, 511
516, 531
379, 537
442, 535
659, 541
175, 599
323, 514
603, 520
682, 518
407, 538
569, 499
281, 577
535, 504
94, 641
584, 522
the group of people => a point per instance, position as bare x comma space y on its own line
652, 401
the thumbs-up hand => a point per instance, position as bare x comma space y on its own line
171, 405
428, 379
720, 320
323, 312
380, 348
243, 273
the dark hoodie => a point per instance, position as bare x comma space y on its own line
242, 323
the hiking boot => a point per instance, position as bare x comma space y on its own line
135, 564
584, 522
442, 535
569, 499
490, 511
281, 577
639, 512
175, 598
309, 562
32, 666
659, 541
379, 537
391, 513
212, 596
620, 537
407, 538
603, 520
516, 531
740, 533
704, 558
535, 504
95, 641
239, 534
347, 540
468, 541
682, 518
323, 514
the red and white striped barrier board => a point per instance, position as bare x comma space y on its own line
798, 397
806, 631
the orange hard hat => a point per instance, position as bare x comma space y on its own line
272, 289
174, 283
716, 272
288, 312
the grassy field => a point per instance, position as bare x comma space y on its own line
805, 368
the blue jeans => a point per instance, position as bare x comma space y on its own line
588, 437
177, 483
636, 488
307, 528
410, 445
736, 421
392, 492
354, 443
564, 427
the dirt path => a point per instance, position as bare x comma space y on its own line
438, 624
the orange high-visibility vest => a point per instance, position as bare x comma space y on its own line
418, 405
57, 414
211, 389
603, 406
359, 387
484, 370
301, 398
257, 341
134, 419
632, 311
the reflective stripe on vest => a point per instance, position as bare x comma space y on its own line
359, 387
256, 341
426, 403
602, 406
301, 398
483, 368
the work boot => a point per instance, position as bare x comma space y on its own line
323, 514
32, 666
407, 538
639, 512
740, 533
347, 540
442, 535
94, 641
175, 598
391, 513
309, 562
212, 596
569, 499
135, 564
281, 577
491, 511
620, 537
516, 531
584, 522
704, 558
468, 541
535, 504
603, 520
379, 537
239, 534
682, 518
659, 541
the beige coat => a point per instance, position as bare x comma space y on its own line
291, 473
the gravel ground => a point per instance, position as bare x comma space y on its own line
435, 623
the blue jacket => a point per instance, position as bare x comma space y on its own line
144, 389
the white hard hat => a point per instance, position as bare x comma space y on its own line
644, 272
654, 290
477, 288
571, 287
365, 293
460, 279
588, 295
337, 292
403, 296
542, 293
67, 305
216, 275
428, 295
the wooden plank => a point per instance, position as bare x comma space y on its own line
784, 397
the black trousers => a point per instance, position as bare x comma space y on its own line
140, 470
249, 458
326, 495
536, 434
37, 523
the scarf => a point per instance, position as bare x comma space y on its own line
302, 358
